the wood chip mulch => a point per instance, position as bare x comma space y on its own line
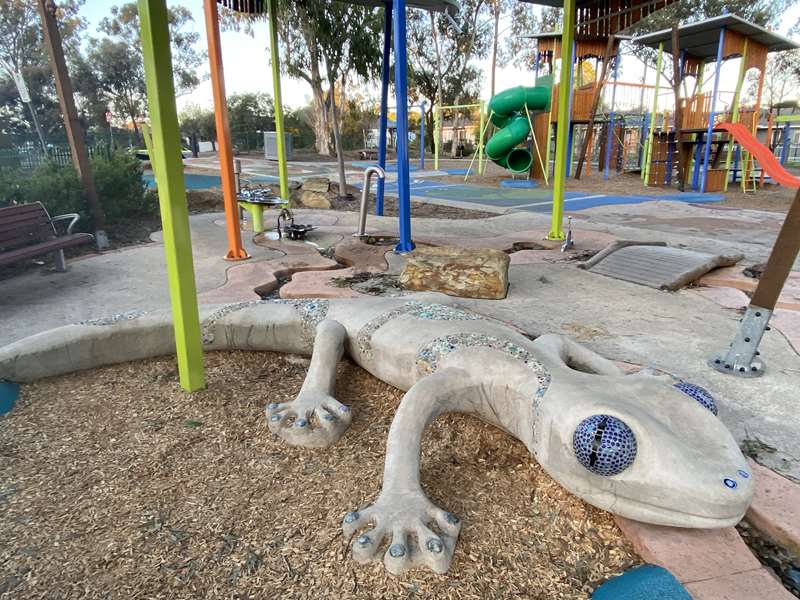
116, 484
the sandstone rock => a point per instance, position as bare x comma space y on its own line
317, 184
462, 272
293, 184
311, 199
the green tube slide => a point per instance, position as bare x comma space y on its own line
507, 110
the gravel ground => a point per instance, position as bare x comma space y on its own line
116, 484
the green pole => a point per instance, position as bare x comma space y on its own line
564, 93
437, 130
648, 150
276, 91
168, 169
481, 166
735, 118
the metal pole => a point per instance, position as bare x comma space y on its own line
383, 120
712, 114
422, 136
274, 52
437, 128
401, 91
224, 149
168, 168
481, 122
563, 112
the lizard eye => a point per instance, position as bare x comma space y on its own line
605, 445
700, 394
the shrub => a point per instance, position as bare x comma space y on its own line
118, 179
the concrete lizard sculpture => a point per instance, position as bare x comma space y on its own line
643, 446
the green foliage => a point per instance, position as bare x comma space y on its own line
22, 50
111, 71
118, 178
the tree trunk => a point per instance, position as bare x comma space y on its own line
676, 88
321, 123
494, 45
438, 101
337, 138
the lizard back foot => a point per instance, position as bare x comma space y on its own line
313, 420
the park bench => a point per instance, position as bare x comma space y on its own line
27, 231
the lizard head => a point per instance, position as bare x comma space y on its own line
650, 450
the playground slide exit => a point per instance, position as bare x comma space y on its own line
507, 113
761, 153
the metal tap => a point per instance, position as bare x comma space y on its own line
362, 222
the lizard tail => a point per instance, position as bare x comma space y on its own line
281, 326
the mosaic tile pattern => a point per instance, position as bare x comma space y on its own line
702, 395
207, 327
605, 445
429, 355
312, 312
420, 310
126, 316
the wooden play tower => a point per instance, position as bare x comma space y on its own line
704, 132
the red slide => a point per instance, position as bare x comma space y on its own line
761, 153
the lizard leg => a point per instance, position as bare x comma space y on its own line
421, 533
571, 354
315, 419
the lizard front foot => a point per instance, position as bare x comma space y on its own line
420, 533
314, 420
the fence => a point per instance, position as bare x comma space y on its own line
32, 156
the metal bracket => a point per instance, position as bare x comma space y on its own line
742, 358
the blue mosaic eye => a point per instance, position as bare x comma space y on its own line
605, 445
700, 394
729, 483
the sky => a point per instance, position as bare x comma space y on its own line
252, 74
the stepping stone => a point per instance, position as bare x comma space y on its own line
648, 582
655, 265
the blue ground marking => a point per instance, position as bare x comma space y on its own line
391, 167
196, 181
519, 183
455, 171
582, 202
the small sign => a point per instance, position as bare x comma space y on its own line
412, 136
109, 116
21, 87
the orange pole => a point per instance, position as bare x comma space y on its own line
235, 249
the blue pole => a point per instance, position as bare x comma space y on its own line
401, 91
787, 133
612, 116
570, 135
696, 172
422, 136
736, 155
382, 122
712, 114
571, 130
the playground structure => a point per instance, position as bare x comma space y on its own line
709, 128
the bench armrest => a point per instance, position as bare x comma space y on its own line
75, 217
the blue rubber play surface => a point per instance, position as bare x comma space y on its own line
647, 582
533, 199
391, 167
196, 181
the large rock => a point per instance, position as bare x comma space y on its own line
462, 272
317, 184
311, 199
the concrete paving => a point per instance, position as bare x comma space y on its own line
675, 332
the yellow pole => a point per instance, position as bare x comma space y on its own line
564, 94
481, 166
278, 102
648, 149
437, 130
735, 118
165, 155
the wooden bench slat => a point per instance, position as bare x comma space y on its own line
67, 241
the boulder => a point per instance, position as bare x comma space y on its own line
317, 184
314, 199
462, 272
